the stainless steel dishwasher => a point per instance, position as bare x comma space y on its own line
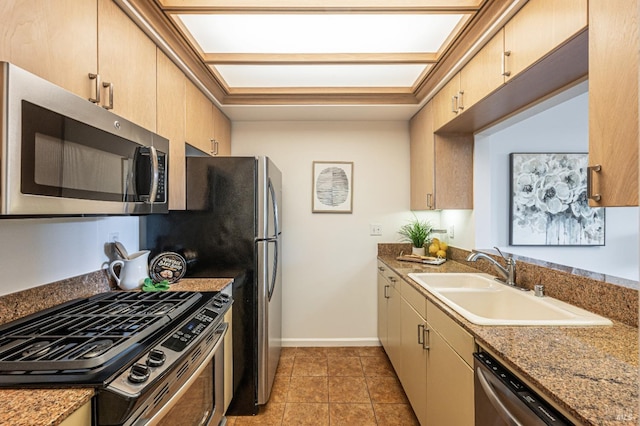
501, 399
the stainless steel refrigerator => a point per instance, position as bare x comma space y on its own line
232, 227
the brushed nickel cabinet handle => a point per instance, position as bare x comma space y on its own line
110, 86
461, 100
590, 171
421, 334
454, 104
504, 63
430, 201
214, 147
425, 338
386, 291
95, 77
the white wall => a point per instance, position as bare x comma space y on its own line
560, 128
329, 261
34, 252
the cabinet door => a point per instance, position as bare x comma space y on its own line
383, 291
446, 103
422, 159
449, 385
394, 330
55, 39
483, 74
538, 28
126, 59
453, 171
613, 101
221, 132
199, 119
80, 417
414, 360
171, 125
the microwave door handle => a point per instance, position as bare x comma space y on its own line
153, 191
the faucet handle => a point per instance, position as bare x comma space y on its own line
503, 256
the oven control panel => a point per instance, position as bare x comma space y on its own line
190, 331
168, 354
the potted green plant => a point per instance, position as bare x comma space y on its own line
416, 232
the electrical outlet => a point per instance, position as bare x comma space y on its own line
114, 236
375, 229
451, 233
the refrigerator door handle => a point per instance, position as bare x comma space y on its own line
274, 273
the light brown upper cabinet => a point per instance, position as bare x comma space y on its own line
538, 28
199, 120
441, 166
221, 133
127, 66
613, 102
537, 52
56, 40
171, 98
483, 73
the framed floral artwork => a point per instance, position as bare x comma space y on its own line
332, 187
549, 205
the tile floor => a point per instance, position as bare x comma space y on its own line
351, 386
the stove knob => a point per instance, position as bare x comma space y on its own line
156, 358
139, 373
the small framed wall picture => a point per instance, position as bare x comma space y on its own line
332, 187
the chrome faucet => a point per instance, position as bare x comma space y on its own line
508, 273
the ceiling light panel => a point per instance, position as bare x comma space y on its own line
320, 75
320, 33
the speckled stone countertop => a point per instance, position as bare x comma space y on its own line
50, 407
590, 372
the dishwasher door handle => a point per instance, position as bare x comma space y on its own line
495, 400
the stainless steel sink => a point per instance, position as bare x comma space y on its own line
484, 301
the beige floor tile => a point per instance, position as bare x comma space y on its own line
285, 366
377, 366
288, 352
306, 415
315, 352
371, 351
309, 366
385, 390
345, 366
269, 415
352, 415
280, 389
343, 351
308, 389
348, 389
395, 414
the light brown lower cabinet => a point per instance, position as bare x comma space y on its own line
432, 356
80, 417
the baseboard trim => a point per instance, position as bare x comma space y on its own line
295, 343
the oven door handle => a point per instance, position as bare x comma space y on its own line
222, 330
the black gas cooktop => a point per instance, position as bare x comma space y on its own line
86, 341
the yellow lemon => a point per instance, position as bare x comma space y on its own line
435, 241
444, 246
433, 249
441, 254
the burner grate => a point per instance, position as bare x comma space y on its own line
90, 332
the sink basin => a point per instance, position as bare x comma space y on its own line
484, 301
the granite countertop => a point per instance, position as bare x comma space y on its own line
50, 407
591, 372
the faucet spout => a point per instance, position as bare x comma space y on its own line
508, 273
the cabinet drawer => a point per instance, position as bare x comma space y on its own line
461, 341
388, 274
414, 298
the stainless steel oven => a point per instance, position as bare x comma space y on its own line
63, 155
154, 358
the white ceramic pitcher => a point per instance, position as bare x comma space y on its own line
133, 271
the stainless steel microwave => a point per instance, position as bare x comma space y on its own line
61, 155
